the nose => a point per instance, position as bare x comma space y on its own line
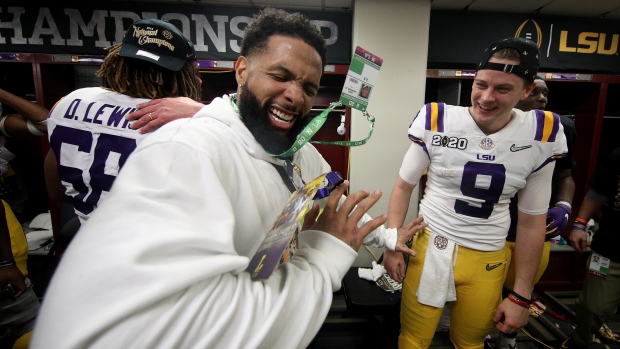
294, 93
488, 95
542, 99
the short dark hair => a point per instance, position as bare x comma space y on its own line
271, 21
507, 53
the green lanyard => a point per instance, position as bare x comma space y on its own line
313, 127
371, 120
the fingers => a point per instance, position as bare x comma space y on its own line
577, 246
407, 231
141, 118
499, 314
416, 221
19, 293
358, 203
310, 217
156, 113
140, 123
582, 245
503, 327
329, 218
402, 270
406, 250
143, 109
331, 204
578, 240
342, 220
150, 115
369, 226
394, 274
510, 317
393, 262
149, 121
152, 125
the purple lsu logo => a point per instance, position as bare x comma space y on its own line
485, 157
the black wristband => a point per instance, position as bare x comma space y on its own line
521, 298
7, 263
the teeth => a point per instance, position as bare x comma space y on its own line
486, 108
280, 121
281, 115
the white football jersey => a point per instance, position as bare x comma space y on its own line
91, 139
472, 176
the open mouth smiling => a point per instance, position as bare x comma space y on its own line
281, 116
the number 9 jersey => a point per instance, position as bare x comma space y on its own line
91, 140
472, 176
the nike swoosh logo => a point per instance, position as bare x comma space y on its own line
491, 267
514, 148
188, 55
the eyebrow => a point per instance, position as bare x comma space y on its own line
290, 73
506, 85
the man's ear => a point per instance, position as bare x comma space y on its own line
528, 89
241, 70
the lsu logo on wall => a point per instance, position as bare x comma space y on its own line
530, 30
587, 42
590, 42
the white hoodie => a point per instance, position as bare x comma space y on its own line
160, 264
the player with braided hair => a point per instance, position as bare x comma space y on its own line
90, 139
133, 78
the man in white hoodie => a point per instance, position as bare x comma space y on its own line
161, 263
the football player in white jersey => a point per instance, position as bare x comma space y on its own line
90, 139
477, 159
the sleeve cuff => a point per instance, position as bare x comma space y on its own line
330, 251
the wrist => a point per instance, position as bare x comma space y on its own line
7, 263
564, 203
581, 220
580, 224
519, 300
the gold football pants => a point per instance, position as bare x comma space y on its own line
478, 277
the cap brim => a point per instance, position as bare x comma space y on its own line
137, 52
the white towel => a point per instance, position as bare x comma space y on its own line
371, 274
437, 281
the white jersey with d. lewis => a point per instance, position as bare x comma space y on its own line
91, 139
472, 176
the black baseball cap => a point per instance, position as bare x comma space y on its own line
528, 53
158, 42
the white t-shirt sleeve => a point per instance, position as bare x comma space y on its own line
414, 164
534, 197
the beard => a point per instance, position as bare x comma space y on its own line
256, 119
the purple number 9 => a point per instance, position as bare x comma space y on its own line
490, 195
